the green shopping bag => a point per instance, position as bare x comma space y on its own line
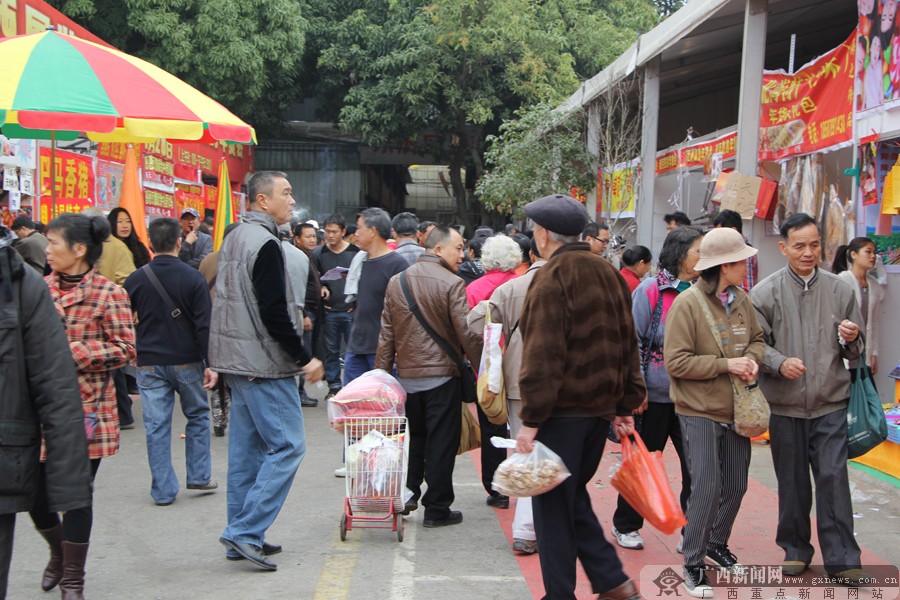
866, 424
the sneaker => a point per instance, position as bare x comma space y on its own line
331, 395
498, 500
342, 472
680, 547
308, 402
521, 546
696, 583
203, 487
218, 431
722, 556
127, 426
632, 541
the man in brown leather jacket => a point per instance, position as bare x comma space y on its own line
429, 375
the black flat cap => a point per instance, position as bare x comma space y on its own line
558, 213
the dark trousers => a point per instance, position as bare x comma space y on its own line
7, 531
336, 332
308, 345
434, 422
123, 400
659, 424
77, 522
719, 460
821, 443
491, 457
564, 521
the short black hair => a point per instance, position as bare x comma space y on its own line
534, 248
336, 219
796, 221
677, 217
593, 229
351, 228
299, 227
474, 245
379, 219
636, 254
676, 247
524, 244
164, 232
424, 225
405, 224
437, 236
729, 218
261, 183
22, 221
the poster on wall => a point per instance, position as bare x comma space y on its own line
110, 176
811, 109
882, 223
877, 62
18, 153
8, 214
618, 189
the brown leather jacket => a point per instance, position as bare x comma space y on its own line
441, 297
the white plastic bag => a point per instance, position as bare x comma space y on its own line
524, 475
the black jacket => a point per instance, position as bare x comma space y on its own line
40, 391
162, 340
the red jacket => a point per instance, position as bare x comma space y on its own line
630, 278
484, 286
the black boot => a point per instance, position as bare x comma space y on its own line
72, 583
54, 571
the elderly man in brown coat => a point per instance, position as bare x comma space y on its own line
429, 375
580, 372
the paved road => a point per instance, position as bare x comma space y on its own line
143, 551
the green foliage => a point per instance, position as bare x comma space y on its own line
538, 153
244, 53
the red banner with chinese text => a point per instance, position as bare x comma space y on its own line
159, 203
698, 154
73, 178
667, 161
810, 110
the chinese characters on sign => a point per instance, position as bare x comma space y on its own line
810, 110
72, 178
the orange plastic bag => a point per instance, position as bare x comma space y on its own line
642, 481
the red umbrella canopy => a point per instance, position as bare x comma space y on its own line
72, 87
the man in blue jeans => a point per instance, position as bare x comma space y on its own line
254, 339
172, 355
338, 316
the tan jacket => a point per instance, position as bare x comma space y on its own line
209, 268
441, 297
116, 262
506, 308
700, 383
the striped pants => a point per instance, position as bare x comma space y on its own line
719, 461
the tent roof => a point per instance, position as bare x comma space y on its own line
700, 46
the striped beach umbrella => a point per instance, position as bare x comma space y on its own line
224, 207
57, 86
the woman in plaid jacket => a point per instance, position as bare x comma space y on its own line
97, 317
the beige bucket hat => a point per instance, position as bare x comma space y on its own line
721, 246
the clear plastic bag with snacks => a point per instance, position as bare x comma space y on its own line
524, 475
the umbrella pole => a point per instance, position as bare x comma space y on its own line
52, 175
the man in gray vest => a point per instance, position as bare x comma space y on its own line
254, 339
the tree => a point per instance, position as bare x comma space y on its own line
458, 67
244, 53
538, 153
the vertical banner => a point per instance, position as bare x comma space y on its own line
618, 189
877, 44
810, 110
109, 184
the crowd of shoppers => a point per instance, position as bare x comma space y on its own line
587, 348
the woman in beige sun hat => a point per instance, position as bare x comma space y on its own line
701, 387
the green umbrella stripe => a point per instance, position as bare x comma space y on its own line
57, 78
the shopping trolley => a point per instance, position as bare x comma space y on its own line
377, 455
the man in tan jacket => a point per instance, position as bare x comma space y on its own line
428, 374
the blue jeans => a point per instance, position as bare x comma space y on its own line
337, 329
265, 447
357, 364
157, 385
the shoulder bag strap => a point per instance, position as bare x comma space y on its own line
441, 342
174, 311
709, 318
654, 327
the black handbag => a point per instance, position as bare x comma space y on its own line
467, 373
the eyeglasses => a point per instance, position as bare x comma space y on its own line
602, 241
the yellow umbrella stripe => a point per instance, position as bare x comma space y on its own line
14, 57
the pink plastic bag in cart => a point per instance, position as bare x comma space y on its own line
372, 394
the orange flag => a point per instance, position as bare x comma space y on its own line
132, 198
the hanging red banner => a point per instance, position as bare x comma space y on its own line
698, 154
810, 110
667, 162
159, 203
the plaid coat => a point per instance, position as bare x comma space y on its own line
97, 317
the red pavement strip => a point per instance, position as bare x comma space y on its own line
752, 539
